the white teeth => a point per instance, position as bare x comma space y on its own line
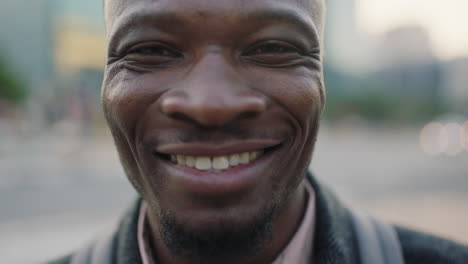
220, 163
217, 163
234, 160
190, 161
244, 158
203, 163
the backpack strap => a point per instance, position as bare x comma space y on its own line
100, 251
377, 241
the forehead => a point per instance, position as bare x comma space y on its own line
309, 11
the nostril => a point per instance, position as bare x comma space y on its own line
180, 116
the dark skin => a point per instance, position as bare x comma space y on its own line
212, 77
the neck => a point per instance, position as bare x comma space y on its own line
284, 227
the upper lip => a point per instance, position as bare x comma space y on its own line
217, 149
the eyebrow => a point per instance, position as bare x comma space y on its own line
128, 23
289, 17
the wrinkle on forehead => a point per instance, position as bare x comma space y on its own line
316, 8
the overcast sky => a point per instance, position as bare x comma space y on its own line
446, 21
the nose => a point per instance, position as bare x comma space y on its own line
212, 95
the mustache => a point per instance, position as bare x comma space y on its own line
212, 135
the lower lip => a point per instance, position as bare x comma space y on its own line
237, 179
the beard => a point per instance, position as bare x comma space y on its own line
227, 239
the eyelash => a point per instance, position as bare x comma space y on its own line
154, 50
275, 48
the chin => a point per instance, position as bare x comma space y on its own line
216, 236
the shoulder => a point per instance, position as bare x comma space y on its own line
118, 243
419, 247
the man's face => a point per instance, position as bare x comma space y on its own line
214, 105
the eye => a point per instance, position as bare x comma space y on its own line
273, 54
157, 50
271, 48
152, 55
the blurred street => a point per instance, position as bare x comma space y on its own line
58, 190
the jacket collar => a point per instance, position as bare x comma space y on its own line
334, 239
126, 243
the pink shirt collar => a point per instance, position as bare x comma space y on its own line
299, 249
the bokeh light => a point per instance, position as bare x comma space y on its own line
464, 135
452, 132
430, 139
450, 139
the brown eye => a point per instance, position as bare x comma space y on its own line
150, 55
273, 54
272, 48
154, 51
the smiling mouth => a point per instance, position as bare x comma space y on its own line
217, 169
204, 158
216, 163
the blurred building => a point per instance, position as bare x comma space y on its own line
55, 46
347, 47
455, 83
407, 64
79, 56
405, 45
26, 39
46, 38
78, 36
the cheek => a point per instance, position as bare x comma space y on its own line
307, 89
121, 103
298, 91
127, 97
307, 108
123, 99
302, 97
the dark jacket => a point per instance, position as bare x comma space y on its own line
335, 241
